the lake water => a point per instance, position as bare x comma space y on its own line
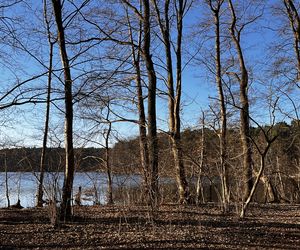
23, 186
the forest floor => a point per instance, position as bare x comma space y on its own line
171, 227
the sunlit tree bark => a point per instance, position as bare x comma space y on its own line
244, 109
174, 92
269, 139
215, 7
145, 16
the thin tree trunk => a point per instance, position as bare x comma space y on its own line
270, 195
143, 145
253, 189
65, 209
107, 161
199, 186
244, 109
108, 168
223, 116
260, 172
223, 132
39, 202
6, 182
257, 179
281, 187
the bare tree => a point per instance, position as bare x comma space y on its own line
152, 130
106, 135
199, 186
65, 209
269, 139
243, 79
215, 7
19, 92
174, 89
39, 201
144, 16
6, 182
144, 152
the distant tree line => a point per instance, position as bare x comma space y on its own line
28, 159
280, 182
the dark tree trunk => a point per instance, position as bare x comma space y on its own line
144, 154
65, 209
107, 159
108, 168
40, 191
152, 130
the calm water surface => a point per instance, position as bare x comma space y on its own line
23, 185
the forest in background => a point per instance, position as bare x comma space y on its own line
281, 177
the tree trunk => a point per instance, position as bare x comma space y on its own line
183, 188
65, 209
281, 187
244, 109
253, 189
270, 195
152, 131
199, 186
144, 152
174, 99
108, 168
107, 160
184, 192
259, 176
150, 159
223, 116
6, 182
143, 145
39, 201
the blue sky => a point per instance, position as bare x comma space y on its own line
26, 124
